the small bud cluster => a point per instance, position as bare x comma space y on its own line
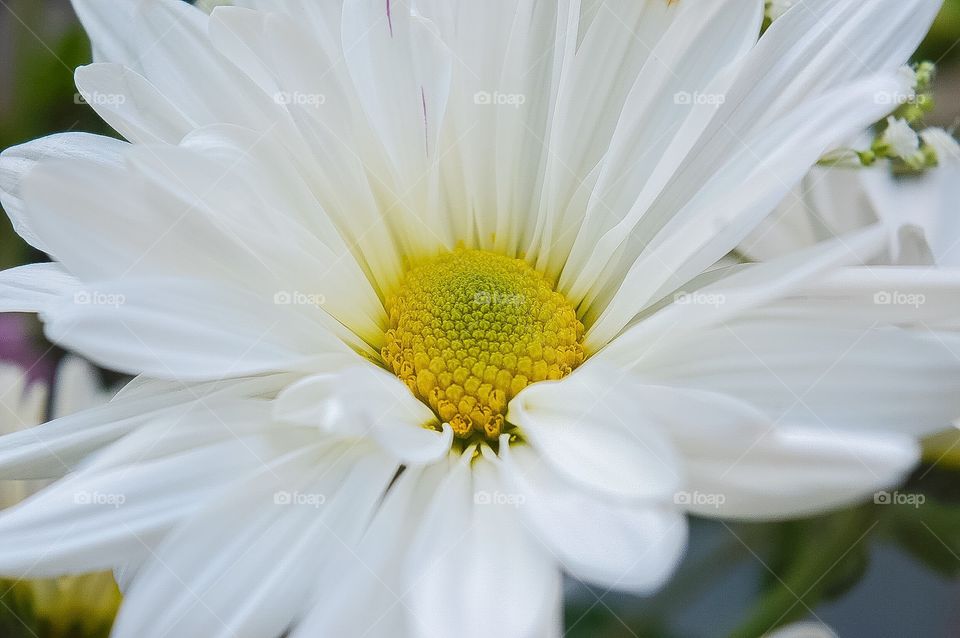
900, 138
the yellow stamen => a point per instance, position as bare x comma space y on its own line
471, 329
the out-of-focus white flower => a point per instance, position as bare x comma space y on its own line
909, 76
76, 605
803, 630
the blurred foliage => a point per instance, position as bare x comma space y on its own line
39, 96
25, 612
942, 44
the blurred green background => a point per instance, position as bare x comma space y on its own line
876, 571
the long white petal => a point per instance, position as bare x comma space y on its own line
357, 400
629, 547
17, 161
32, 288
596, 438
470, 556
105, 512
245, 565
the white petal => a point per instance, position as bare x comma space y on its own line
245, 565
816, 372
494, 153
16, 162
166, 42
748, 286
363, 592
174, 329
103, 514
729, 205
401, 72
876, 294
620, 101
741, 463
630, 547
32, 288
362, 400
797, 471
595, 437
130, 104
927, 201
788, 81
307, 73
54, 448
473, 570
252, 193
803, 630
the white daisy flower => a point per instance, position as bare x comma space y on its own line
85, 603
419, 306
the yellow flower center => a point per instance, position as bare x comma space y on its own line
470, 329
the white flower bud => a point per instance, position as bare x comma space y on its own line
900, 138
942, 144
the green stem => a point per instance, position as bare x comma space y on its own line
803, 581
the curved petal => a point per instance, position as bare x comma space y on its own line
818, 370
629, 547
363, 400
363, 593
775, 100
174, 329
741, 463
59, 446
166, 42
131, 105
17, 161
34, 287
473, 554
595, 437
108, 509
246, 564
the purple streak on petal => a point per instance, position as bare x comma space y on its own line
389, 19
426, 129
